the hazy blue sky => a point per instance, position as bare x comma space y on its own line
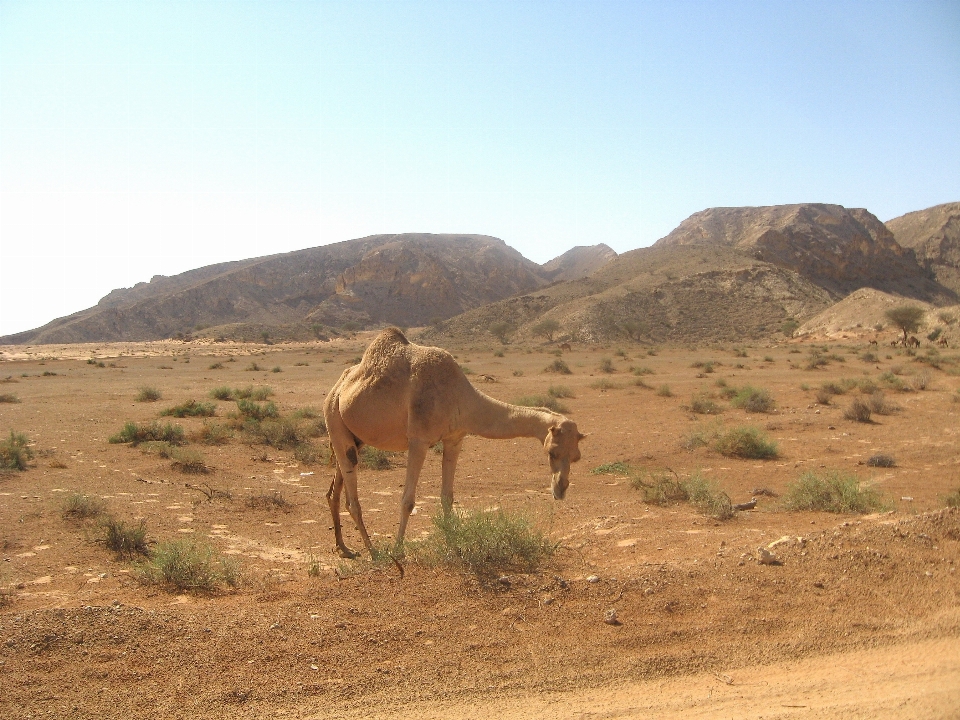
142, 138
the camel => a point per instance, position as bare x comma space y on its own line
912, 341
565, 347
942, 341
409, 397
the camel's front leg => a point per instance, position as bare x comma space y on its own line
416, 454
451, 453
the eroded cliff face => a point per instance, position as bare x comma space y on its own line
837, 248
934, 236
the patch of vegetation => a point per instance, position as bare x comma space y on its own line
869, 357
216, 366
613, 468
374, 459
546, 329
664, 391
606, 366
148, 394
858, 411
190, 408
953, 499
276, 369
256, 411
884, 461
253, 367
642, 370
703, 404
486, 543
77, 506
269, 501
746, 442
832, 491
907, 318
188, 460
222, 393
893, 382
212, 434
310, 454
136, 433
603, 385
9, 398
880, 405
921, 380
466, 370
560, 391
558, 366
542, 401
188, 565
706, 366
708, 498
125, 540
754, 399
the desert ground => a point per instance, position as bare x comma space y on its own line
859, 617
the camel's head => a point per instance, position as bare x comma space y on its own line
562, 445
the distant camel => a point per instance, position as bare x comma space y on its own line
873, 342
565, 346
407, 397
913, 342
942, 341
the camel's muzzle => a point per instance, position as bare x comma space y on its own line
560, 484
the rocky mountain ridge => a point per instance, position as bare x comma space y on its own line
723, 273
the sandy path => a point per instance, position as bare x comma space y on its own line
915, 680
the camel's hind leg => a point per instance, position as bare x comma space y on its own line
451, 452
345, 447
333, 500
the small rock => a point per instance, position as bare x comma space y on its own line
766, 557
747, 505
648, 591
504, 580
610, 617
786, 539
592, 579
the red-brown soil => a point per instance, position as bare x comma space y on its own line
861, 619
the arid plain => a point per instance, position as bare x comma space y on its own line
860, 618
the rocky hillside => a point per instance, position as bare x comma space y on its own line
657, 294
579, 262
839, 249
723, 274
934, 236
408, 279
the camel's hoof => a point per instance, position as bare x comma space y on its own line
347, 553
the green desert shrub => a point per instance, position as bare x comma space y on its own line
703, 404
745, 442
148, 394
188, 460
136, 433
708, 498
560, 391
858, 410
544, 401
190, 408
15, 452
880, 460
832, 491
125, 540
188, 565
374, 458
754, 399
602, 384
606, 366
256, 411
9, 398
953, 499
269, 501
664, 391
78, 506
660, 488
617, 467
559, 367
212, 434
222, 392
486, 543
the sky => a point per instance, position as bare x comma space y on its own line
150, 138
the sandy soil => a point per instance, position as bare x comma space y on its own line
860, 619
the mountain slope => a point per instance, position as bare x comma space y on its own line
579, 262
840, 249
934, 236
399, 279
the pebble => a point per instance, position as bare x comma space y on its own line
766, 557
610, 617
593, 579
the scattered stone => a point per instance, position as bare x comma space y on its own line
610, 617
747, 505
785, 540
504, 580
648, 591
593, 579
766, 557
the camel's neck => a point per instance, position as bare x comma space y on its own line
499, 420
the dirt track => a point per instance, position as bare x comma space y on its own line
862, 615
